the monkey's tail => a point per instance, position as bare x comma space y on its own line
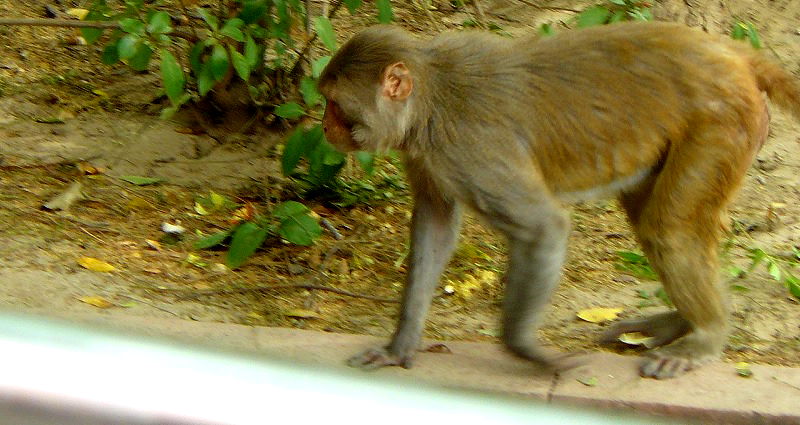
781, 86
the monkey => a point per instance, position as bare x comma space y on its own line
665, 118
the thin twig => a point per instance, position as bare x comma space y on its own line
265, 288
141, 301
554, 8
331, 228
307, 47
48, 164
69, 23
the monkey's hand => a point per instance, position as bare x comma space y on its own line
376, 358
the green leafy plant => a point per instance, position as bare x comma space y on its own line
746, 31
781, 270
615, 11
289, 220
635, 264
246, 42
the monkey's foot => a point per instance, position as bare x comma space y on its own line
664, 365
690, 352
663, 328
376, 358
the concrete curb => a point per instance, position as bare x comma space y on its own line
713, 394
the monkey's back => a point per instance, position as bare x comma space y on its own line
607, 100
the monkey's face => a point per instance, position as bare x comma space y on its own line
338, 129
367, 115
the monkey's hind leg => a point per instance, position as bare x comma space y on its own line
677, 219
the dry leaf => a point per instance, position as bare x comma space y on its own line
743, 369
152, 270
66, 198
95, 265
438, 348
302, 313
637, 338
154, 245
219, 268
599, 314
139, 204
98, 302
78, 13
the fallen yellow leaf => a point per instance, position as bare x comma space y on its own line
98, 302
637, 338
599, 314
743, 369
95, 265
78, 13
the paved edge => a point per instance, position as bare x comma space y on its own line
714, 393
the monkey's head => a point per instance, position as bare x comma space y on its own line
368, 85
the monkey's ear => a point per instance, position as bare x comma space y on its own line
397, 81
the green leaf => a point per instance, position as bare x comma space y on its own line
546, 30
774, 270
195, 57
794, 285
132, 26
209, 17
325, 32
290, 111
308, 88
247, 238
240, 64
218, 63
752, 34
205, 81
231, 30
289, 209
91, 34
324, 161
385, 14
641, 15
212, 240
318, 65
596, 15
251, 52
253, 10
141, 181
618, 16
141, 60
739, 31
159, 23
172, 76
127, 46
333, 157
299, 144
367, 161
95, 14
110, 54
352, 5
300, 230
296, 226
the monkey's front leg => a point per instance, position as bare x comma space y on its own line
434, 230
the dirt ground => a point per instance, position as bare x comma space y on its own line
105, 118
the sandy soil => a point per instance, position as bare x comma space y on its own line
42, 76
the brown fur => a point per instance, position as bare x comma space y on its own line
665, 117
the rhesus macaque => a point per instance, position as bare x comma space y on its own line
666, 118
